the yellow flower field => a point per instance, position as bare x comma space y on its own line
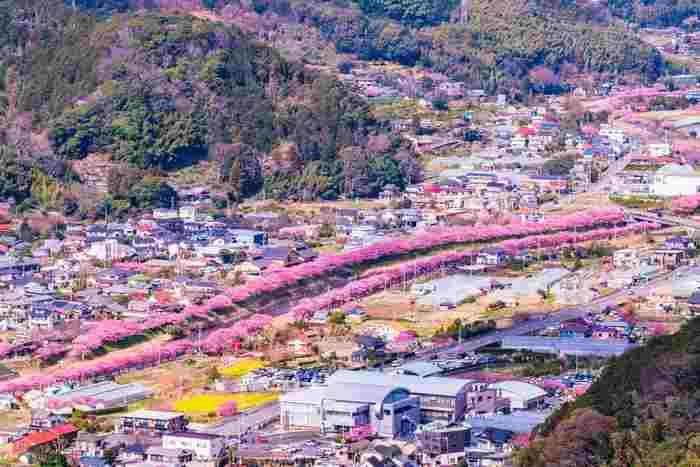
241, 368
206, 403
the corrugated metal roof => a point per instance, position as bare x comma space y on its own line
312, 395
435, 385
568, 345
520, 388
684, 122
420, 368
356, 392
520, 422
154, 415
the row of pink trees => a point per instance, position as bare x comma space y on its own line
109, 366
104, 332
114, 331
51, 350
422, 241
227, 409
406, 271
686, 204
222, 339
217, 341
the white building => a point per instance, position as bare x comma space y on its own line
203, 446
518, 142
188, 213
390, 410
626, 258
659, 149
521, 395
110, 250
613, 134
675, 180
165, 214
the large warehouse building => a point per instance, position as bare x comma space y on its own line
440, 398
390, 410
390, 403
522, 395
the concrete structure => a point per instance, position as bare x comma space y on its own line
567, 345
205, 447
659, 149
100, 396
440, 398
675, 180
151, 422
156, 456
441, 443
522, 395
391, 411
626, 258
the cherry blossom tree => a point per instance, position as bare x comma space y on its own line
227, 409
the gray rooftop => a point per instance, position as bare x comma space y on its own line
434, 385
356, 392
519, 422
154, 415
420, 368
568, 345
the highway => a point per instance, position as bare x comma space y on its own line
665, 219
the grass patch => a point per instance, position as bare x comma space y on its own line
637, 202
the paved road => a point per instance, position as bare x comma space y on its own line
604, 184
241, 423
669, 219
554, 319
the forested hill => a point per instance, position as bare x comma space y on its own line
491, 44
656, 13
160, 90
643, 411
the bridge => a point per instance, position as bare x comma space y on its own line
664, 220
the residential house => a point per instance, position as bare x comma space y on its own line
575, 328
110, 250
204, 447
369, 346
694, 303
680, 243
157, 456
299, 344
442, 443
249, 238
492, 256
604, 332
669, 258
626, 258
152, 422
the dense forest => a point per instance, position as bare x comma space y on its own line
493, 45
644, 410
161, 91
655, 13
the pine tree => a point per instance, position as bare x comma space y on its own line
235, 180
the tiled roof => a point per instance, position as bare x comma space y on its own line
42, 437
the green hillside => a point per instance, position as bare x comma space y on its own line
643, 411
164, 91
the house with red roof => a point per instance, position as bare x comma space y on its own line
56, 436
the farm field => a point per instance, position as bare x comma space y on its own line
241, 367
207, 403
